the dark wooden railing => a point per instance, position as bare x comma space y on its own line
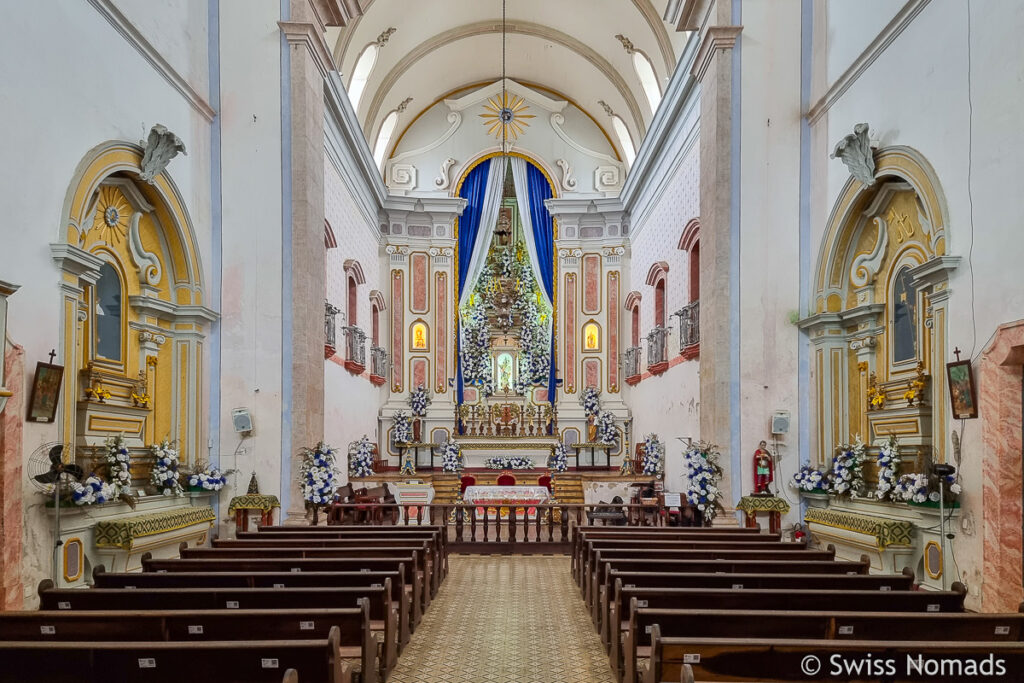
468, 530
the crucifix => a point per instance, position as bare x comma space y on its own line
52, 354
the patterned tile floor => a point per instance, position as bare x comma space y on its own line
505, 619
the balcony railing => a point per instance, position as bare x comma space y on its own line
378, 362
330, 329
689, 325
657, 356
355, 347
631, 361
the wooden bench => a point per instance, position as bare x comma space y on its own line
383, 617
779, 659
356, 642
257, 661
963, 626
400, 598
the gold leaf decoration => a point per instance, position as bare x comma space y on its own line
112, 215
506, 113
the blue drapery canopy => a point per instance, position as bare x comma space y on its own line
538, 190
472, 190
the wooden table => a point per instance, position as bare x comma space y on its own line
773, 505
241, 505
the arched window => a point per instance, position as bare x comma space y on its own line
361, 73
695, 272
635, 333
659, 303
387, 129
108, 314
648, 79
353, 306
375, 324
624, 139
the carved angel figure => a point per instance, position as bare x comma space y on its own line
161, 146
855, 151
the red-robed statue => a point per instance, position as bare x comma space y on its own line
764, 469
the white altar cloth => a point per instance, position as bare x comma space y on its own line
505, 495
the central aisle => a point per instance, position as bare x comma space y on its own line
505, 619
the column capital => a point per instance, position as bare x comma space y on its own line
716, 38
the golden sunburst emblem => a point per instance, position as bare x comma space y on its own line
112, 215
506, 113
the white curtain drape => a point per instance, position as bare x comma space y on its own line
523, 199
488, 219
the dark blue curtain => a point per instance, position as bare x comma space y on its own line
472, 190
544, 237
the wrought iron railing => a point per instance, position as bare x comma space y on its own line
355, 345
689, 325
330, 324
656, 346
378, 361
631, 361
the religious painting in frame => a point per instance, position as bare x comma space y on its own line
591, 337
419, 336
42, 405
963, 394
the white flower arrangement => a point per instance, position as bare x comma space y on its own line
703, 473
402, 431
888, 469
208, 479
808, 479
559, 461
590, 399
316, 475
911, 488
654, 456
846, 477
164, 475
119, 464
606, 432
361, 460
505, 462
451, 456
93, 491
418, 401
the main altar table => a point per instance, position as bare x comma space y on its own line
497, 500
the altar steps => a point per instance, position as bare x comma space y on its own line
568, 488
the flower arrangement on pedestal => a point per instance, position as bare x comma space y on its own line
888, 469
590, 399
451, 456
316, 474
703, 473
92, 491
809, 480
164, 475
846, 477
207, 478
506, 462
606, 431
654, 456
402, 431
559, 461
474, 349
119, 464
361, 459
419, 399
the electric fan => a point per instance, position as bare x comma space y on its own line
47, 470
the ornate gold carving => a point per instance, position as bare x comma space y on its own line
113, 213
504, 116
876, 396
914, 394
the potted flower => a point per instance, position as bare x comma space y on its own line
888, 469
402, 432
164, 475
606, 432
418, 402
652, 464
811, 485
206, 478
700, 462
451, 456
119, 464
361, 459
92, 491
559, 460
846, 477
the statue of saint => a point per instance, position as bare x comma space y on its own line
764, 471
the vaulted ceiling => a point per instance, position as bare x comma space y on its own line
581, 50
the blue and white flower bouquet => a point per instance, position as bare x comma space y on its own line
316, 475
911, 488
402, 431
703, 473
809, 480
559, 461
654, 456
846, 477
208, 478
361, 459
92, 491
504, 462
888, 469
451, 456
606, 431
119, 464
164, 475
590, 399
418, 401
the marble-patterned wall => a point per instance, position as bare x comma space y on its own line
11, 480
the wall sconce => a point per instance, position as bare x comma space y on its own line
6, 289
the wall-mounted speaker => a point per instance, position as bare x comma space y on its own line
780, 422
242, 420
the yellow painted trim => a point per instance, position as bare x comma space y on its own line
924, 558
81, 559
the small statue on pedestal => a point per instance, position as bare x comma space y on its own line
764, 470
408, 464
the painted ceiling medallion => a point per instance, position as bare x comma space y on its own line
112, 215
506, 114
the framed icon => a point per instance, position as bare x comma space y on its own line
42, 404
963, 394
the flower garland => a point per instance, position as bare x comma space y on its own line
418, 401
846, 477
703, 474
164, 475
119, 464
590, 399
559, 461
474, 349
209, 479
505, 462
316, 475
808, 479
654, 452
361, 462
888, 468
606, 431
92, 491
911, 488
451, 456
402, 431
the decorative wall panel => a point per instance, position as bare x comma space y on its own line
592, 372
613, 331
419, 369
592, 284
441, 334
397, 329
419, 265
570, 333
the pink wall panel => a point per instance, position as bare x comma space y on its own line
418, 371
592, 372
419, 265
397, 328
441, 332
613, 331
592, 284
570, 332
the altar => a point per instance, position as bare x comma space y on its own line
496, 501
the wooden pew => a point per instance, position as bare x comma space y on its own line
779, 659
296, 564
952, 626
258, 661
400, 598
356, 641
383, 617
